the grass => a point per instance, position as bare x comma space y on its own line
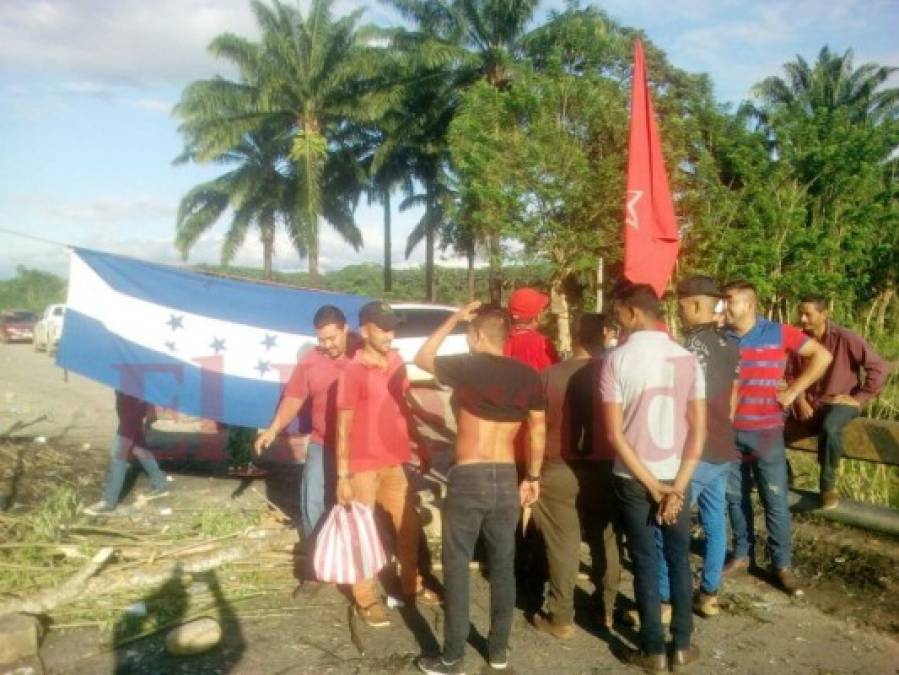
857, 480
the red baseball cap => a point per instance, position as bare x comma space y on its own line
527, 303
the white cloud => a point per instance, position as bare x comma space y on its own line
133, 41
154, 105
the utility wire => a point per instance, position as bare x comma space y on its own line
33, 238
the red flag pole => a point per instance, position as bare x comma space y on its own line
650, 226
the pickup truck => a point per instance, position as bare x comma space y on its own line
48, 329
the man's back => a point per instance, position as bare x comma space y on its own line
653, 378
574, 427
493, 396
719, 356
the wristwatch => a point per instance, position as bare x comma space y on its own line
532, 479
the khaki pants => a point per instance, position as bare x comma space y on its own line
577, 497
388, 489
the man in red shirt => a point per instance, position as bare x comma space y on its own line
837, 398
758, 428
373, 443
525, 343
313, 384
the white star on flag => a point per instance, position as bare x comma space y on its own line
633, 196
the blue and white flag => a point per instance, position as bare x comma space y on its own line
206, 346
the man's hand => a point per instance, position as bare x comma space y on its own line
842, 399
786, 397
468, 312
263, 440
344, 491
669, 508
803, 409
658, 491
529, 492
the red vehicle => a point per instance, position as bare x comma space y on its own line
17, 325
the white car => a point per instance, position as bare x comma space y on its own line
422, 319
48, 329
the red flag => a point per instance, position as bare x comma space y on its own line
650, 228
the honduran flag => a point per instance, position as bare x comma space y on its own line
203, 345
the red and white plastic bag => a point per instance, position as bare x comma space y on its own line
348, 548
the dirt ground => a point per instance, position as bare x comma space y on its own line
848, 623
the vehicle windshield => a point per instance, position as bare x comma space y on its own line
19, 316
59, 311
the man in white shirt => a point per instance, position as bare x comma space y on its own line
653, 394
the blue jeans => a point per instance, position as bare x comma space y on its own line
832, 419
638, 516
312, 490
764, 459
480, 499
707, 489
120, 452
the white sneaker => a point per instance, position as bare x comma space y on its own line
98, 509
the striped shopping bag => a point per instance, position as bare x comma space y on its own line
348, 549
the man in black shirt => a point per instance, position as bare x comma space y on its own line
719, 357
494, 396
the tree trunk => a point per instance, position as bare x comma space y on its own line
888, 294
268, 248
496, 282
388, 276
559, 307
313, 254
600, 281
471, 288
429, 263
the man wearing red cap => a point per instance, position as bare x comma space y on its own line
525, 342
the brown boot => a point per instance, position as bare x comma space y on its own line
706, 604
789, 582
735, 566
683, 658
830, 499
562, 631
650, 663
375, 615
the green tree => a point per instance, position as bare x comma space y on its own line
450, 46
260, 191
305, 79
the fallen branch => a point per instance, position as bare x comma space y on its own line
65, 592
82, 586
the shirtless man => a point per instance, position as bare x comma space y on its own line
493, 395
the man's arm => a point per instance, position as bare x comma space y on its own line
344, 489
424, 359
613, 417
876, 371
734, 399
530, 490
287, 410
817, 358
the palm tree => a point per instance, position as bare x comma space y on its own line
451, 45
260, 191
831, 84
306, 78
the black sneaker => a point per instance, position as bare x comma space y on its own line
499, 661
435, 665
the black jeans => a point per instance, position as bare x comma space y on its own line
832, 419
638, 516
480, 498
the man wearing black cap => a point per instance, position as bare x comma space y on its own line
719, 357
372, 446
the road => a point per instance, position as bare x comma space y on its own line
49, 402
761, 631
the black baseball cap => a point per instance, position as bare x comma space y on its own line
381, 314
698, 285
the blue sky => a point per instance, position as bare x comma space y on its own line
86, 89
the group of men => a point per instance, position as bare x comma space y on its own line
615, 443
